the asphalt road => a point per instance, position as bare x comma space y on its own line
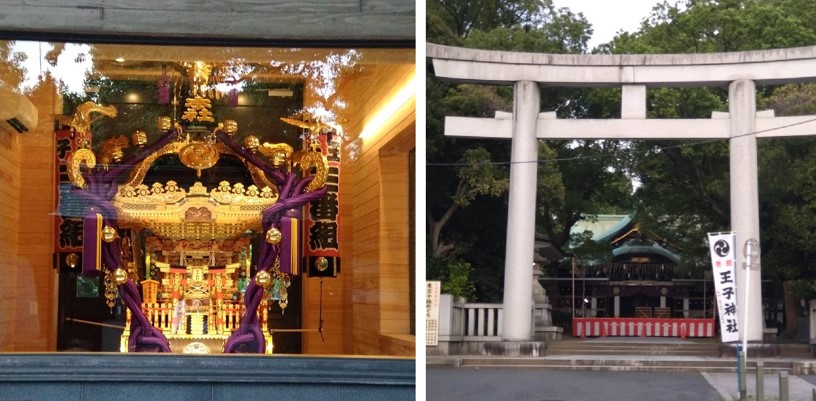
445, 384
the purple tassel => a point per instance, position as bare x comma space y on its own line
232, 98
163, 86
164, 91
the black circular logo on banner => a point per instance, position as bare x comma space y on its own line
721, 248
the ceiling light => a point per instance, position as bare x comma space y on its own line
280, 93
406, 93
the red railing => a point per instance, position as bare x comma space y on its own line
642, 327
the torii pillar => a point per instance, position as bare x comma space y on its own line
518, 262
739, 71
745, 200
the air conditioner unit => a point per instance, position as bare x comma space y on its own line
17, 113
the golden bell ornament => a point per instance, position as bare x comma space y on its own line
321, 264
274, 236
109, 234
264, 279
72, 260
165, 123
120, 276
251, 143
139, 138
231, 127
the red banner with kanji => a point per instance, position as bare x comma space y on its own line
68, 228
322, 219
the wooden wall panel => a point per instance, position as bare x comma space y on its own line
378, 307
9, 225
366, 239
36, 231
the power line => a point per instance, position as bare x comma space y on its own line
682, 145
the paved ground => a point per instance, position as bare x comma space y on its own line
799, 389
810, 379
443, 384
522, 384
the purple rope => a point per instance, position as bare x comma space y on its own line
101, 190
249, 332
144, 337
115, 171
272, 172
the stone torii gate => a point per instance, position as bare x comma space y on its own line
740, 71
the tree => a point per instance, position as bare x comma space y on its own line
685, 190
12, 72
463, 224
787, 207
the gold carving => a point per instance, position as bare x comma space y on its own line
199, 156
258, 176
138, 173
314, 127
319, 162
237, 195
158, 194
81, 121
111, 150
165, 123
111, 292
251, 143
139, 138
280, 153
75, 161
196, 348
230, 127
198, 214
198, 109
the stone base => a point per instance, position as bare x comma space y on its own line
755, 350
549, 333
514, 348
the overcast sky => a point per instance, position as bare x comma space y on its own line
610, 16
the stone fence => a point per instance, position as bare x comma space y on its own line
465, 327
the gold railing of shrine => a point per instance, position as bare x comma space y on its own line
222, 320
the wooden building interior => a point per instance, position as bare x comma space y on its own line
367, 309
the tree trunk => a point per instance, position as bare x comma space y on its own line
792, 310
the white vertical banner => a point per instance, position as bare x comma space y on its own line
723, 263
432, 291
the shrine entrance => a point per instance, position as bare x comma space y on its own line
740, 72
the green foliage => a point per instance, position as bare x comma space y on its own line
685, 186
454, 273
479, 178
566, 190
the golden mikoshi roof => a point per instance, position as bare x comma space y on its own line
194, 213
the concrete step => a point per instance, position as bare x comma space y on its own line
630, 346
624, 368
532, 362
588, 348
712, 353
651, 365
